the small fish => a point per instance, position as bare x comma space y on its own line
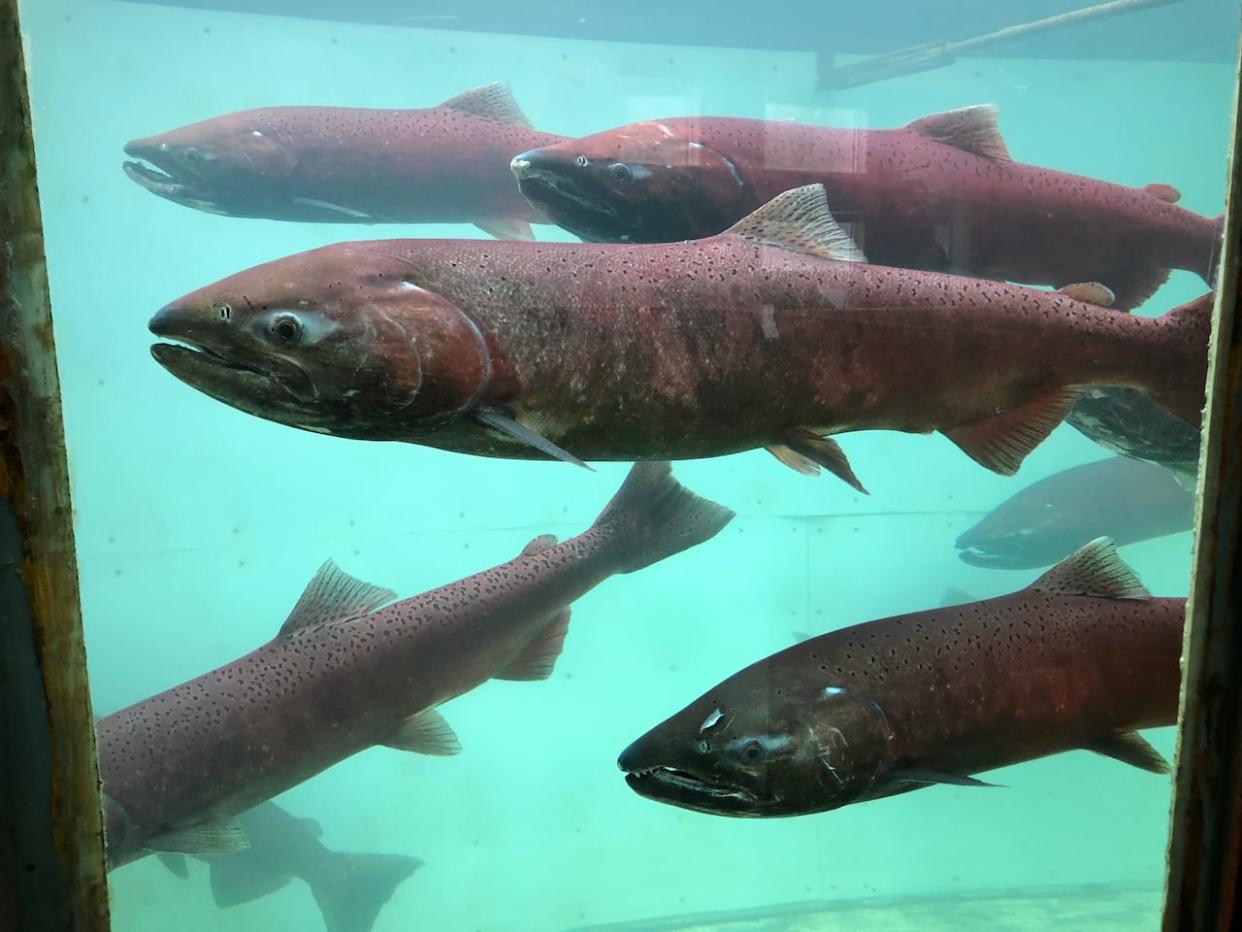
1081, 658
443, 164
1124, 499
774, 334
941, 193
350, 889
344, 674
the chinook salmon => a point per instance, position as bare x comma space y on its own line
343, 675
444, 164
941, 193
350, 889
1081, 658
1124, 499
602, 352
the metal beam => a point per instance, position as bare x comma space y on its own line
1205, 839
51, 836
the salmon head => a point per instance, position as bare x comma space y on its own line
652, 182
339, 340
764, 743
232, 164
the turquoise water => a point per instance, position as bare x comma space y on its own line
198, 526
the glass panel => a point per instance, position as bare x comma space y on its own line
199, 524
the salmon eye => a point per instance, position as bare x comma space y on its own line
621, 173
285, 329
581, 161
752, 752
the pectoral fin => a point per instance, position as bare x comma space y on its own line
223, 836
805, 451
507, 425
929, 776
425, 732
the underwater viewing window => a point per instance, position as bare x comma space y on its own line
562, 468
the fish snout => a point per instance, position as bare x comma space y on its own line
522, 165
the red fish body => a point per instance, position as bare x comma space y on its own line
343, 675
673, 351
444, 164
1080, 659
941, 193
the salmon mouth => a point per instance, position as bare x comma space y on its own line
690, 791
163, 177
981, 555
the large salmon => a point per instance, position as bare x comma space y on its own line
343, 675
1081, 658
443, 164
941, 193
748, 339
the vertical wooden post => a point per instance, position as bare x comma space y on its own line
52, 874
1206, 835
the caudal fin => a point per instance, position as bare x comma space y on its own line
1180, 389
351, 893
654, 516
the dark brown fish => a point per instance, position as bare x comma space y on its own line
1124, 499
941, 193
343, 675
1079, 659
765, 336
350, 889
442, 164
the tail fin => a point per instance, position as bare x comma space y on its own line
352, 894
655, 516
1183, 393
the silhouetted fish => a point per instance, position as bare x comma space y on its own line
444, 164
350, 889
1079, 659
940, 194
1125, 499
344, 675
603, 352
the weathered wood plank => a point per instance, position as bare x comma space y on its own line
51, 837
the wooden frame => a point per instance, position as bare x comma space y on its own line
52, 874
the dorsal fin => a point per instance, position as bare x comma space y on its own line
334, 595
971, 129
492, 102
1095, 569
799, 220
